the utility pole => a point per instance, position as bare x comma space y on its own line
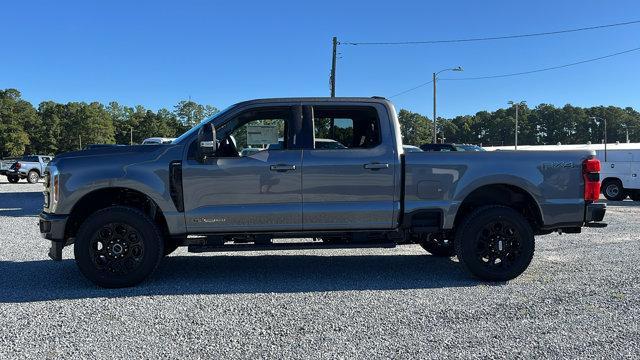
435, 120
517, 105
80, 138
130, 135
332, 78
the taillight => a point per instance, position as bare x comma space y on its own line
18, 166
591, 175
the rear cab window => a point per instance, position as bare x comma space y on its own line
348, 127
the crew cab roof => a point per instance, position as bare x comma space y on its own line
375, 99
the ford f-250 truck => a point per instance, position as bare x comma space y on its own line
123, 208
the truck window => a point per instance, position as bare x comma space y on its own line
345, 128
254, 131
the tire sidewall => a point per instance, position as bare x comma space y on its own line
467, 237
29, 176
616, 183
150, 236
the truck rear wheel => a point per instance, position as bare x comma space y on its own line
13, 179
613, 190
33, 177
495, 243
118, 247
437, 245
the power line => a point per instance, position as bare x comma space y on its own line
522, 72
409, 90
492, 37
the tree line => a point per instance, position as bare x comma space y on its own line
544, 124
53, 128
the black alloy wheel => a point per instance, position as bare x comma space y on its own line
495, 243
118, 246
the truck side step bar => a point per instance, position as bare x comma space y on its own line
285, 246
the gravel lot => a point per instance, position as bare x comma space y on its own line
579, 299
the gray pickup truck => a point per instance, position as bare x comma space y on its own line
123, 208
30, 167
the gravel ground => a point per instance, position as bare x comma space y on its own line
580, 298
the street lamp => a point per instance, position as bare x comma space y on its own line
596, 118
435, 74
517, 104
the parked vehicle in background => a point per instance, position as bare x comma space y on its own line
451, 147
157, 140
123, 208
250, 151
30, 167
411, 148
620, 172
320, 144
5, 165
97, 146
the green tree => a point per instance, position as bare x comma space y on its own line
415, 128
16, 114
191, 113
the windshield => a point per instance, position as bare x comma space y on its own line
197, 127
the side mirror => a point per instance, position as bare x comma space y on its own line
207, 144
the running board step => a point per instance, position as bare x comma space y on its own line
285, 246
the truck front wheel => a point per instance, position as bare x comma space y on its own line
118, 247
495, 243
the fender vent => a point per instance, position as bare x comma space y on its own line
175, 184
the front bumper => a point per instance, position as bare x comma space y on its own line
52, 227
594, 213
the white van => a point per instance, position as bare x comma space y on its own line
620, 173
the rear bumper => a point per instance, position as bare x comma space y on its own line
52, 228
594, 213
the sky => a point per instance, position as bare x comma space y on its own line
156, 53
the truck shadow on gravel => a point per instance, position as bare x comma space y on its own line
45, 280
20, 204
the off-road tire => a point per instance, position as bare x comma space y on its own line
33, 177
517, 244
140, 258
439, 247
13, 179
169, 246
613, 190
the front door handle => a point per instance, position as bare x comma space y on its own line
282, 167
376, 166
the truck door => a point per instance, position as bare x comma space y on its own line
349, 169
254, 183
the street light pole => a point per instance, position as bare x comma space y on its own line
595, 118
435, 119
435, 122
517, 104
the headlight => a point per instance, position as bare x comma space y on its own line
52, 189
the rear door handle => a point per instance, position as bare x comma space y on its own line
282, 167
376, 166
